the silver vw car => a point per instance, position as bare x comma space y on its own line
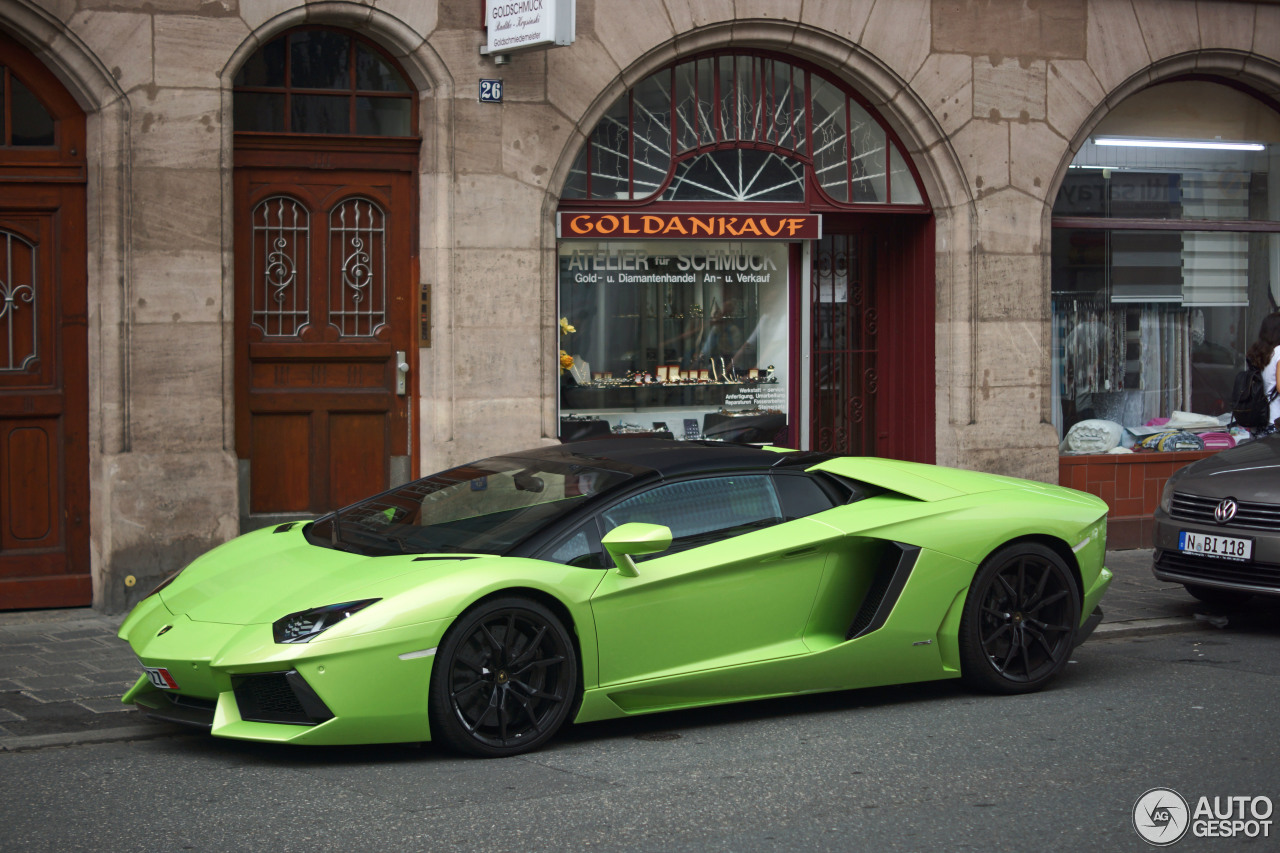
1218, 525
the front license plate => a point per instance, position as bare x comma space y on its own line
160, 677
1208, 545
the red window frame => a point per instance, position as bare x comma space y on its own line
763, 96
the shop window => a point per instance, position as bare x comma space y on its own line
1166, 256
688, 339
723, 165
322, 81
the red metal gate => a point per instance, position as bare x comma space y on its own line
872, 378
843, 348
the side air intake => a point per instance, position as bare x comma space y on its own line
891, 576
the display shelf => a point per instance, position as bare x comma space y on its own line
650, 396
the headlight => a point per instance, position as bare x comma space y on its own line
1166, 496
305, 625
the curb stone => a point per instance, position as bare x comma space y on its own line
1147, 627
148, 731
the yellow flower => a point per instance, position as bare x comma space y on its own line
565, 328
566, 361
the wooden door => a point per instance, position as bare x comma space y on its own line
44, 530
324, 316
44, 466
44, 412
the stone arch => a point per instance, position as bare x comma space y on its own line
423, 65
63, 52
1258, 75
924, 141
913, 122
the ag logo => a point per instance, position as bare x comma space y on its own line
1161, 816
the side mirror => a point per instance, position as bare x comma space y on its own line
635, 538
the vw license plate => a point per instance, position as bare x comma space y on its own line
1208, 545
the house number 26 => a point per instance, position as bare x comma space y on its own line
490, 91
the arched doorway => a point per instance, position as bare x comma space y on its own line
747, 254
44, 435
326, 162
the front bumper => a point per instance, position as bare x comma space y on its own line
1259, 575
1090, 605
285, 698
1252, 577
239, 683
1085, 630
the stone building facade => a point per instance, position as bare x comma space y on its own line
987, 101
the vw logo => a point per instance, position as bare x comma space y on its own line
1225, 511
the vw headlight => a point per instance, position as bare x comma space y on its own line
1166, 495
306, 625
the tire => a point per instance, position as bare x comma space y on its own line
1019, 620
504, 681
1219, 596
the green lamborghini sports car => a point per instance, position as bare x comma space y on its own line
487, 605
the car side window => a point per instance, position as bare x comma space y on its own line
704, 510
581, 549
800, 495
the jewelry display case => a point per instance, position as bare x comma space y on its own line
689, 335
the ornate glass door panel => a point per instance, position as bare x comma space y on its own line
19, 311
281, 278
357, 269
324, 270
30, 467
843, 348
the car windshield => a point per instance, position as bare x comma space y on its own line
485, 507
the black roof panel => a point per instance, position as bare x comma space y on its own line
665, 457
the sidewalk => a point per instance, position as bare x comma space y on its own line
62, 672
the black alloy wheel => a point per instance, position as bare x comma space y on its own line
505, 679
1019, 620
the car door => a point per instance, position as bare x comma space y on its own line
737, 584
